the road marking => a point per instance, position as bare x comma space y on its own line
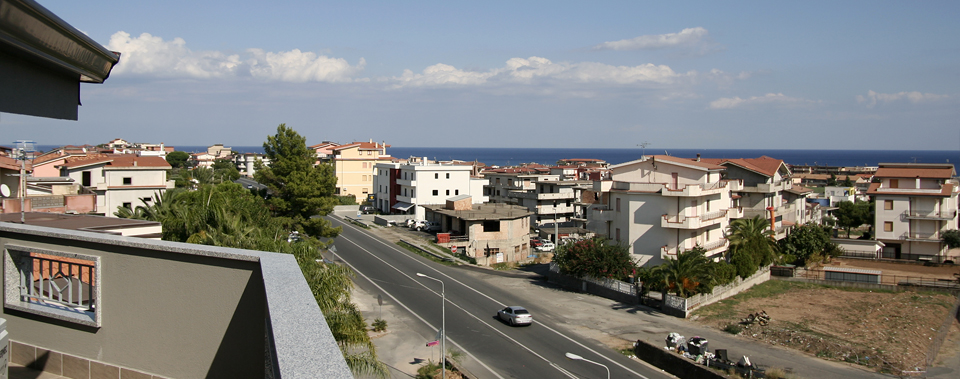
458, 307
488, 297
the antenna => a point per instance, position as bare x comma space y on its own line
643, 147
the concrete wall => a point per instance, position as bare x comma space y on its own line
175, 315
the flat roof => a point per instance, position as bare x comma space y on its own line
485, 211
89, 223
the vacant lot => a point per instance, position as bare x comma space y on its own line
887, 331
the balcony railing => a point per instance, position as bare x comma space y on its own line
768, 187
930, 215
920, 236
709, 247
695, 190
693, 222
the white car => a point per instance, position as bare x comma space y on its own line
546, 247
515, 315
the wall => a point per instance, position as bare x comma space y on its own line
176, 315
672, 363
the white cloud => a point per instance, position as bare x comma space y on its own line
533, 69
914, 97
689, 36
151, 55
770, 98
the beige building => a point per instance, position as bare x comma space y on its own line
915, 203
490, 233
660, 206
119, 180
354, 164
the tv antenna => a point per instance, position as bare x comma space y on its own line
643, 147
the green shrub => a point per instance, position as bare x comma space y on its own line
733, 329
379, 325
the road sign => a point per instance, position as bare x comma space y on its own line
453, 249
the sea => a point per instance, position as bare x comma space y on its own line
499, 156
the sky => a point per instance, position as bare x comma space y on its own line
862, 75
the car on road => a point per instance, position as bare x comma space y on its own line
368, 209
546, 247
515, 315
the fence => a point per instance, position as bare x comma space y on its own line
891, 280
607, 288
681, 307
934, 348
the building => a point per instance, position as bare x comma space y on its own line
354, 163
247, 163
119, 180
837, 194
490, 233
915, 203
406, 188
660, 206
324, 150
764, 183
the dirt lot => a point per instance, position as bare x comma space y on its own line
887, 331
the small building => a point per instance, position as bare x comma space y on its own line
490, 233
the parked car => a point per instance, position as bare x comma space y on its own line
546, 247
411, 222
515, 315
427, 226
368, 209
535, 242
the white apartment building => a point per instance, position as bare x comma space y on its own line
915, 203
661, 205
119, 180
553, 197
246, 163
405, 188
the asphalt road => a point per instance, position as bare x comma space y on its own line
491, 349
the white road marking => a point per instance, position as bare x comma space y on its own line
491, 299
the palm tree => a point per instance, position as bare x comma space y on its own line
684, 274
753, 237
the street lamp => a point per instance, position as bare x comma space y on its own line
443, 327
575, 357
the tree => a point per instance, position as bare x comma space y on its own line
851, 215
951, 238
178, 159
685, 274
301, 189
832, 181
594, 258
847, 182
225, 170
752, 243
805, 241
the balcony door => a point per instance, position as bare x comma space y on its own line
675, 180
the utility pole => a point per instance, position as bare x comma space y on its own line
25, 151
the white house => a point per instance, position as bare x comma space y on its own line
405, 188
119, 180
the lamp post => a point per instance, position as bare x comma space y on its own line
443, 327
575, 357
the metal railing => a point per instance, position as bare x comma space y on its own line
895, 280
931, 214
55, 281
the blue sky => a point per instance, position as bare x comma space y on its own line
802, 75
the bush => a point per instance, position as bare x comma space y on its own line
744, 263
379, 325
733, 329
594, 258
951, 238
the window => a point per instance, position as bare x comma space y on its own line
894, 183
618, 206
448, 192
127, 181
888, 226
436, 175
516, 249
497, 181
128, 205
456, 192
618, 234
404, 192
61, 281
436, 192
888, 205
85, 178
448, 175
491, 225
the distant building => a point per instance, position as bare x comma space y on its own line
915, 203
353, 164
119, 180
406, 188
489, 233
246, 163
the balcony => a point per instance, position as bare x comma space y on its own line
929, 215
175, 310
407, 182
696, 190
711, 248
693, 222
768, 187
921, 236
602, 214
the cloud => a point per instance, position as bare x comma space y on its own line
689, 36
536, 69
914, 97
770, 98
151, 55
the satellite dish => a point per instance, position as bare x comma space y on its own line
4, 190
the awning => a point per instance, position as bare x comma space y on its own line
402, 206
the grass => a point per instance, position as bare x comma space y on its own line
358, 223
419, 252
733, 329
503, 266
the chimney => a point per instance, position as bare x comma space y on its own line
698, 157
371, 140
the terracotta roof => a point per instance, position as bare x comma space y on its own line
763, 165
363, 146
12, 164
119, 160
688, 161
919, 172
945, 191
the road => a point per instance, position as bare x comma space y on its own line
491, 349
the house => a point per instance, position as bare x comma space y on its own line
837, 194
762, 191
353, 165
119, 180
246, 163
490, 233
914, 204
324, 150
660, 206
406, 188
